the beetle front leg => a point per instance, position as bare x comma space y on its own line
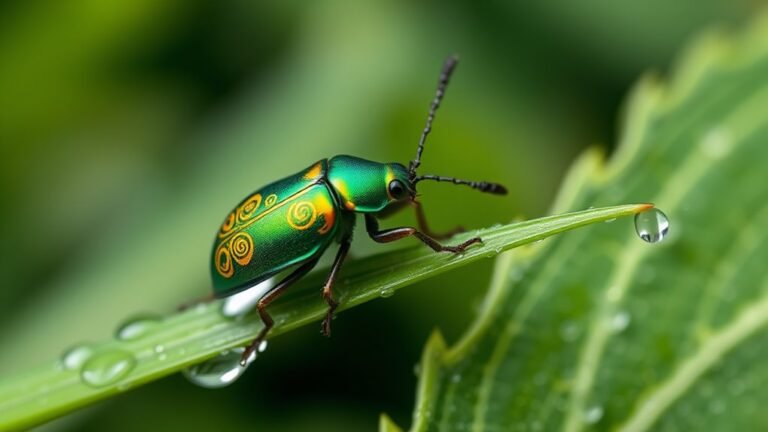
424, 227
393, 234
328, 287
265, 301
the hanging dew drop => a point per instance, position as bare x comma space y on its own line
73, 358
221, 370
107, 368
652, 225
136, 327
386, 292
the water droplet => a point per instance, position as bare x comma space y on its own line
610, 220
620, 321
159, 349
262, 346
570, 331
651, 225
386, 292
219, 371
136, 327
107, 367
74, 357
238, 305
593, 414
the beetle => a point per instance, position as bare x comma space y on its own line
288, 224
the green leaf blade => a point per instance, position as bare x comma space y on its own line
202, 332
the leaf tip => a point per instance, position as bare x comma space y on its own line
645, 206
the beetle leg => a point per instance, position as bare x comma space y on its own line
268, 298
424, 227
328, 287
392, 234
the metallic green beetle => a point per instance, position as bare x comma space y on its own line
291, 222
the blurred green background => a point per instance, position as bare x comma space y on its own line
128, 130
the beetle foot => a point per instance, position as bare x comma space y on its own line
248, 352
460, 248
326, 325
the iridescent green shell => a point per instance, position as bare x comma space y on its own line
280, 225
362, 185
295, 219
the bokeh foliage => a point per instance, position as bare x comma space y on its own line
127, 129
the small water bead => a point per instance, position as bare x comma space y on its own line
136, 327
106, 368
386, 292
220, 371
652, 225
620, 321
593, 414
74, 357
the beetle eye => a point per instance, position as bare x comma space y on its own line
396, 189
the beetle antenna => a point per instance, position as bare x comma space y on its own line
442, 83
493, 188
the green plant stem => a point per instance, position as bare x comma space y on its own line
42, 393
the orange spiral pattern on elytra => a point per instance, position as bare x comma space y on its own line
241, 247
227, 226
224, 262
301, 215
270, 200
248, 209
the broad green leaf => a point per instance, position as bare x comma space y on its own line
187, 338
595, 331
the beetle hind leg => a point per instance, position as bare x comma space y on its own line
328, 287
265, 301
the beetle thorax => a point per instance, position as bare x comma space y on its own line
362, 185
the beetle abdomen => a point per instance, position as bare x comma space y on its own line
278, 226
